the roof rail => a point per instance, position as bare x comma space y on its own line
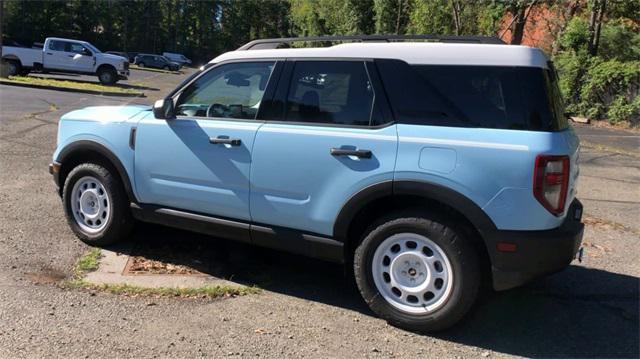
263, 44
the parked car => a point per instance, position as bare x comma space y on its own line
66, 55
426, 166
156, 61
178, 58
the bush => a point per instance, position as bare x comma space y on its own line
620, 110
611, 89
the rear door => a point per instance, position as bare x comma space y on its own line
55, 55
327, 136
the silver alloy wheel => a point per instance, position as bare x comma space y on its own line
90, 204
412, 273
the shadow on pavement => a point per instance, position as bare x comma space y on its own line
579, 312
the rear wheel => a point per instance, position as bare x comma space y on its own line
96, 205
107, 76
417, 271
13, 67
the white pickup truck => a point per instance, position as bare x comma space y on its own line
65, 55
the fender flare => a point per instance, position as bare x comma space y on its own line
478, 218
88, 145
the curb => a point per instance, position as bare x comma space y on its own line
160, 71
67, 89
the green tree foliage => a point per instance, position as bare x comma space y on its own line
597, 42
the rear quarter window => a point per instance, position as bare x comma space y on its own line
501, 97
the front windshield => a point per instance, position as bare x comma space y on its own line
92, 48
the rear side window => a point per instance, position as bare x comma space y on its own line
331, 92
499, 97
56, 45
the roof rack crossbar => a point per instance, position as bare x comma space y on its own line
262, 44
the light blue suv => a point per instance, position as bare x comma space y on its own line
428, 166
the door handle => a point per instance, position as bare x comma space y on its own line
224, 140
71, 55
346, 152
48, 53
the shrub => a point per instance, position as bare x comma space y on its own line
611, 88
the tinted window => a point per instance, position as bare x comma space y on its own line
76, 48
228, 91
56, 45
469, 96
337, 92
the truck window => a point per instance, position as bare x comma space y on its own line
56, 45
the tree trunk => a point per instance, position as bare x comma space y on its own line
520, 20
457, 10
595, 24
399, 16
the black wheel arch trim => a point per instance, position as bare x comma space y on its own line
84, 145
432, 191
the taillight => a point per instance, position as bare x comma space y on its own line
551, 182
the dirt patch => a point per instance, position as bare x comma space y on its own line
46, 275
190, 258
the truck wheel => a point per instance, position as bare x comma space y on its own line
13, 67
96, 205
107, 76
417, 271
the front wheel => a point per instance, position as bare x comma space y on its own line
96, 205
107, 76
417, 271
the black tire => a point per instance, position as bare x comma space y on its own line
107, 76
13, 67
119, 221
459, 251
24, 72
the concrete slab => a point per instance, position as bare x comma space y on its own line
112, 271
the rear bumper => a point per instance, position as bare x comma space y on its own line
532, 254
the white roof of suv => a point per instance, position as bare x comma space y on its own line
428, 53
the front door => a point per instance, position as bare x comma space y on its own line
333, 138
81, 58
201, 160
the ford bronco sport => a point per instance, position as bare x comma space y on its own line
425, 165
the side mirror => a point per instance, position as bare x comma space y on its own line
86, 52
163, 109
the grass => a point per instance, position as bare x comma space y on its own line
216, 291
135, 67
70, 84
90, 262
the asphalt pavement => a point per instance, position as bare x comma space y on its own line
307, 308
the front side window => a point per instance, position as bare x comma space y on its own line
228, 91
334, 92
77, 48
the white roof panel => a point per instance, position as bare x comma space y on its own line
427, 53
